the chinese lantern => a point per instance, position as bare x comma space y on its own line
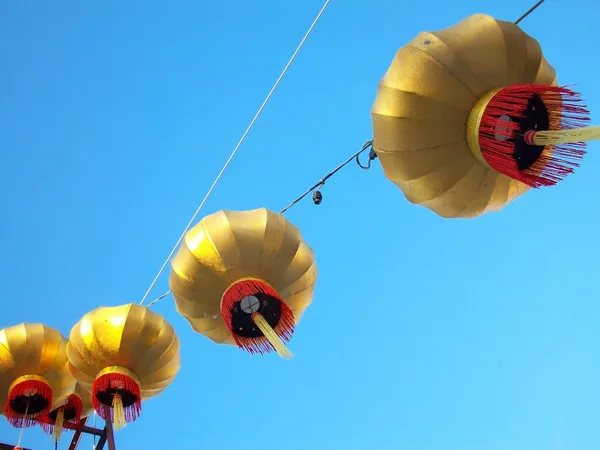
244, 278
123, 355
468, 118
33, 371
68, 410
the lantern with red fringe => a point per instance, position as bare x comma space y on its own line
123, 355
67, 412
468, 118
33, 371
244, 278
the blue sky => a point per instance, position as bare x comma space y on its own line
425, 333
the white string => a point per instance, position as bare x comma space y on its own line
235, 150
23, 425
20, 436
94, 442
159, 298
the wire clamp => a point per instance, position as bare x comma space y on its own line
372, 156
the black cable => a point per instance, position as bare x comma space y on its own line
529, 11
333, 172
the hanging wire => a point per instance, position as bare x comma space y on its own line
322, 181
318, 185
235, 150
529, 11
159, 298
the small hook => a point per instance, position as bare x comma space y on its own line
372, 156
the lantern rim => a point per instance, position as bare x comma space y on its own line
240, 280
121, 371
474, 122
28, 377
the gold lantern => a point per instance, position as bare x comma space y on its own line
244, 278
67, 411
33, 371
428, 126
123, 355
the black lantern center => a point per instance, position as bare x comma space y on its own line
69, 413
241, 314
106, 396
536, 118
34, 404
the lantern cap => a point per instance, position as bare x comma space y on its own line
474, 124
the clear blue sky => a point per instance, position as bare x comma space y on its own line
425, 333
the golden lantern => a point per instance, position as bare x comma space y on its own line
33, 371
468, 118
69, 410
123, 355
244, 278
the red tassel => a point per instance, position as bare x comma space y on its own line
27, 388
284, 328
556, 162
72, 414
119, 382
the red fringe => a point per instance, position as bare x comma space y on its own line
565, 113
261, 345
119, 382
73, 402
21, 389
47, 428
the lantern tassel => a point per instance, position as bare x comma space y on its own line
117, 381
563, 136
118, 412
58, 424
271, 336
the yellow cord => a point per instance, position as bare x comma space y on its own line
118, 412
23, 427
272, 337
567, 136
58, 424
